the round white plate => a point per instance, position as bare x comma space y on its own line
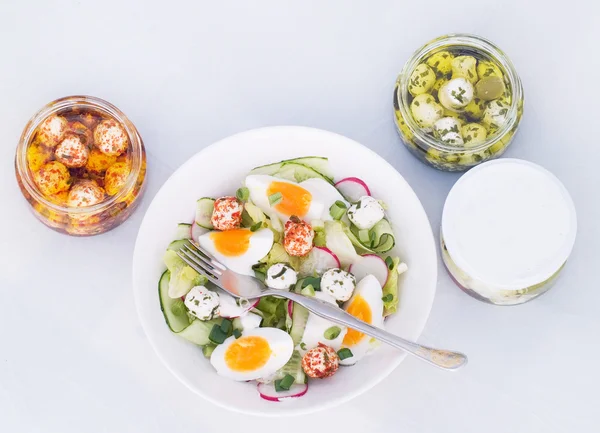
219, 170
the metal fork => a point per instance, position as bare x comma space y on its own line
243, 286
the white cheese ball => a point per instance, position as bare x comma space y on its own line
366, 212
495, 114
339, 284
447, 130
465, 67
421, 80
202, 303
110, 138
52, 130
456, 93
85, 193
425, 110
281, 277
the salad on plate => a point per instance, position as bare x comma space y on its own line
294, 228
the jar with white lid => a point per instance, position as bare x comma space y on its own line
508, 228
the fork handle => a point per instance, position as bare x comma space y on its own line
444, 359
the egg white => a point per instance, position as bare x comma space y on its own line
323, 196
314, 332
281, 346
371, 291
261, 242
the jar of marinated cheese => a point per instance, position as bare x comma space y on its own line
81, 165
508, 228
458, 102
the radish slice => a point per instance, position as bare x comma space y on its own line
267, 391
370, 264
197, 231
353, 188
290, 309
230, 307
319, 260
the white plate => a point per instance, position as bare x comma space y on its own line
219, 170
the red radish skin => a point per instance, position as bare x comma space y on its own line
267, 391
370, 264
353, 188
320, 259
290, 308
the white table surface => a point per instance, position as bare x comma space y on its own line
73, 356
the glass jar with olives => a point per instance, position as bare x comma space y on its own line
458, 102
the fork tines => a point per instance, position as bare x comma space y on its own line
201, 261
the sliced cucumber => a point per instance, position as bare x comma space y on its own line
314, 164
298, 173
380, 239
208, 350
293, 368
204, 211
173, 309
176, 245
299, 319
184, 231
198, 331
183, 278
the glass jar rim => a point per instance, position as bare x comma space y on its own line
465, 40
78, 101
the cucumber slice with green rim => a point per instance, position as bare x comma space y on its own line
380, 238
317, 164
204, 211
198, 331
184, 231
173, 309
293, 368
176, 245
298, 173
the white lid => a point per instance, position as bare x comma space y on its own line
509, 224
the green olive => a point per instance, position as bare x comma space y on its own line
489, 88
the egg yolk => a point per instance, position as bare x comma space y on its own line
360, 309
248, 353
232, 243
295, 199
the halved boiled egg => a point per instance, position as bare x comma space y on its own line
319, 330
238, 249
257, 353
365, 304
309, 200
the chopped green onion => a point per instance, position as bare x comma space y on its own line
312, 281
208, 350
303, 346
308, 291
226, 326
242, 194
337, 210
256, 226
275, 199
389, 262
388, 298
284, 384
217, 335
332, 333
344, 353
363, 236
280, 273
372, 238
237, 333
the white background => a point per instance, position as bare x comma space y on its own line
73, 357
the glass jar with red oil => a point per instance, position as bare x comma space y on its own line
81, 165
